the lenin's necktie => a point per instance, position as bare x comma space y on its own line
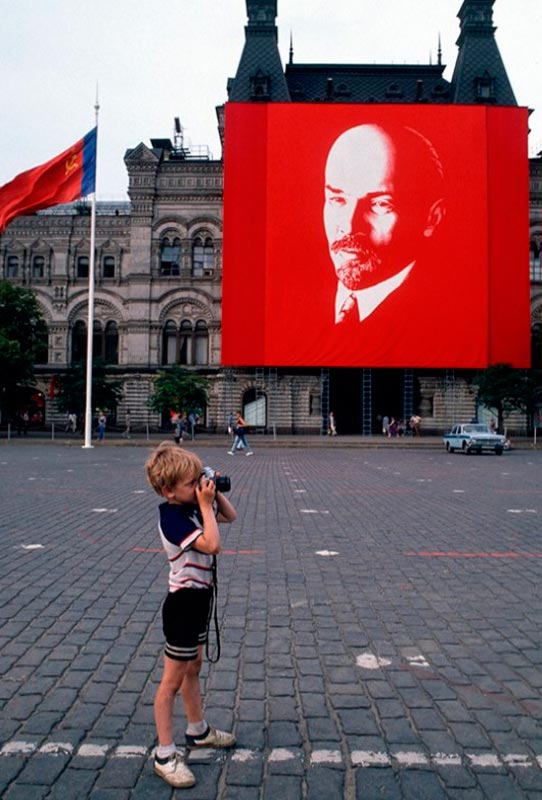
348, 313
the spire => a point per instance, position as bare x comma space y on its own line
479, 74
439, 51
260, 75
291, 55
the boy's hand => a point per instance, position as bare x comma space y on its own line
205, 492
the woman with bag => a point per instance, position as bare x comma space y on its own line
240, 439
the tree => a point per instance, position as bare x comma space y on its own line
23, 340
71, 396
178, 389
504, 389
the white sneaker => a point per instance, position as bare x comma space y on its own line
250, 453
213, 738
175, 772
231, 453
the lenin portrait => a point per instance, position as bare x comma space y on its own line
373, 235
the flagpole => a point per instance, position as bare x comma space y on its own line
90, 321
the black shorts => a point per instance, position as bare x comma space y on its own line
185, 615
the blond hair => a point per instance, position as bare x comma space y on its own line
169, 464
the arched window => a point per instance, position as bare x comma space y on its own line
185, 342
79, 341
81, 267
38, 267
201, 343
170, 257
169, 343
111, 343
255, 407
536, 272
203, 259
12, 267
108, 267
42, 349
98, 340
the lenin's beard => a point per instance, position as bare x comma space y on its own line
356, 262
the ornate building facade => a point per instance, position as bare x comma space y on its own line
159, 256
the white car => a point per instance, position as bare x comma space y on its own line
473, 437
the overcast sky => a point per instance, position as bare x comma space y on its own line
154, 60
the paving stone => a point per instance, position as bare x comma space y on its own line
377, 784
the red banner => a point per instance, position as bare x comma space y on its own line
376, 235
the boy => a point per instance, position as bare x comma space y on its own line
190, 536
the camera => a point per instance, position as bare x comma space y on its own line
222, 482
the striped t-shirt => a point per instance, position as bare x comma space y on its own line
180, 526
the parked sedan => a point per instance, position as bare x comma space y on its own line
473, 437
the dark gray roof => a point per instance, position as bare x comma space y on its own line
479, 74
366, 83
260, 75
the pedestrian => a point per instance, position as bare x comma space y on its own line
385, 425
127, 425
492, 425
193, 420
190, 535
231, 423
102, 420
72, 422
415, 421
332, 430
240, 439
26, 419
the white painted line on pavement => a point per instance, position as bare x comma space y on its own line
368, 758
129, 751
312, 511
446, 759
402, 759
32, 546
517, 760
281, 754
326, 757
18, 748
57, 749
522, 511
93, 750
484, 759
418, 661
370, 661
410, 758
243, 756
327, 553
105, 510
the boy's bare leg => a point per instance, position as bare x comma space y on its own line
178, 676
191, 690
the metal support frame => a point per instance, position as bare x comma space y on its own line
366, 402
324, 395
408, 394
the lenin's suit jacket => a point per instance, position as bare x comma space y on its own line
428, 321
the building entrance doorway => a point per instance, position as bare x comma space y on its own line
345, 400
387, 397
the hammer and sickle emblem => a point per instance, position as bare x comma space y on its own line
71, 164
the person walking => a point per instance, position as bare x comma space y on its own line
102, 420
127, 425
240, 439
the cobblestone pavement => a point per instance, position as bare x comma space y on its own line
381, 626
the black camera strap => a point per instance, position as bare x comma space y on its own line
213, 612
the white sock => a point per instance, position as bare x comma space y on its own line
197, 728
166, 750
